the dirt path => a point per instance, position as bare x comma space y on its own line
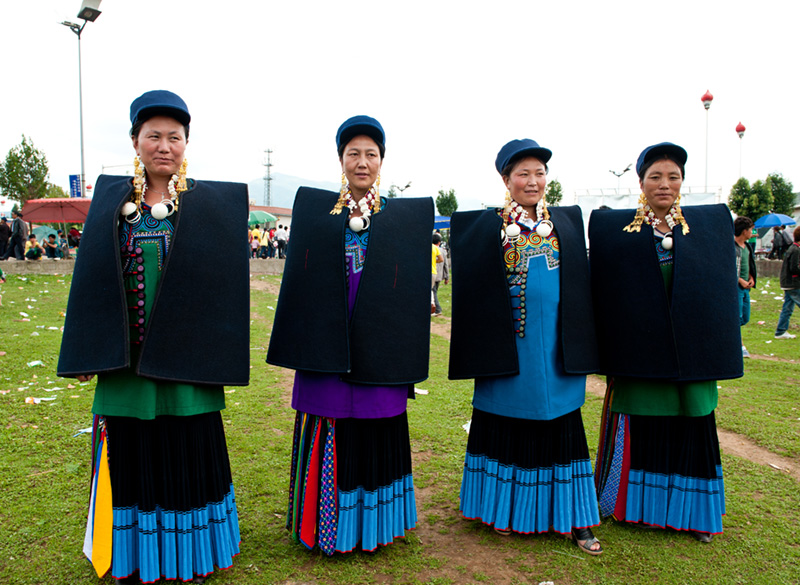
730, 442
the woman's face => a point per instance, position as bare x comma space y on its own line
161, 144
526, 182
662, 185
361, 164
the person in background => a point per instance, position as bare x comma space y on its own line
62, 244
790, 284
281, 237
51, 247
5, 234
74, 237
255, 241
33, 249
19, 237
745, 268
442, 271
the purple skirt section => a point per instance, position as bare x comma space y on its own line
323, 394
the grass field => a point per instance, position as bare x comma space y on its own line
44, 473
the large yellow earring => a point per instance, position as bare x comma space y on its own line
636, 224
337, 209
376, 204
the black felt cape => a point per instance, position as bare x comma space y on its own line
386, 340
482, 340
643, 333
198, 331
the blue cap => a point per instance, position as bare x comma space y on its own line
358, 126
519, 148
159, 103
673, 151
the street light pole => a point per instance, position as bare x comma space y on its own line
707, 99
740, 131
88, 13
618, 175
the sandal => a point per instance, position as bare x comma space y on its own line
702, 536
588, 539
502, 531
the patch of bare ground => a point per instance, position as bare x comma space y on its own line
440, 326
465, 553
265, 285
730, 442
771, 358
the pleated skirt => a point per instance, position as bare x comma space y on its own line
664, 471
529, 475
174, 507
351, 484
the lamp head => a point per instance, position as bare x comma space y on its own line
90, 10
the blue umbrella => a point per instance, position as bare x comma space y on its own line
773, 220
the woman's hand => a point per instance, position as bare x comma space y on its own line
83, 378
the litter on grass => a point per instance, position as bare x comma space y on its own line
420, 391
467, 425
33, 400
35, 363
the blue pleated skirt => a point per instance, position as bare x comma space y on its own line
174, 506
529, 475
351, 485
663, 471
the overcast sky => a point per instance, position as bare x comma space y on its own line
451, 82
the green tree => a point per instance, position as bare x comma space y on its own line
392, 192
446, 202
54, 191
751, 201
782, 195
24, 173
554, 193
739, 194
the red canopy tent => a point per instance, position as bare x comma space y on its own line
57, 210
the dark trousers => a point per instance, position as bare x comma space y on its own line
3, 247
16, 248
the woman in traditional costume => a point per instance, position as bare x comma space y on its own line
164, 325
353, 320
668, 326
523, 327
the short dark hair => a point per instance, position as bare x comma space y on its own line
437, 238
653, 160
797, 234
740, 224
509, 168
381, 147
137, 127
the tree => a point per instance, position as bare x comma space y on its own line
54, 191
554, 193
392, 192
751, 201
446, 203
24, 173
782, 195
